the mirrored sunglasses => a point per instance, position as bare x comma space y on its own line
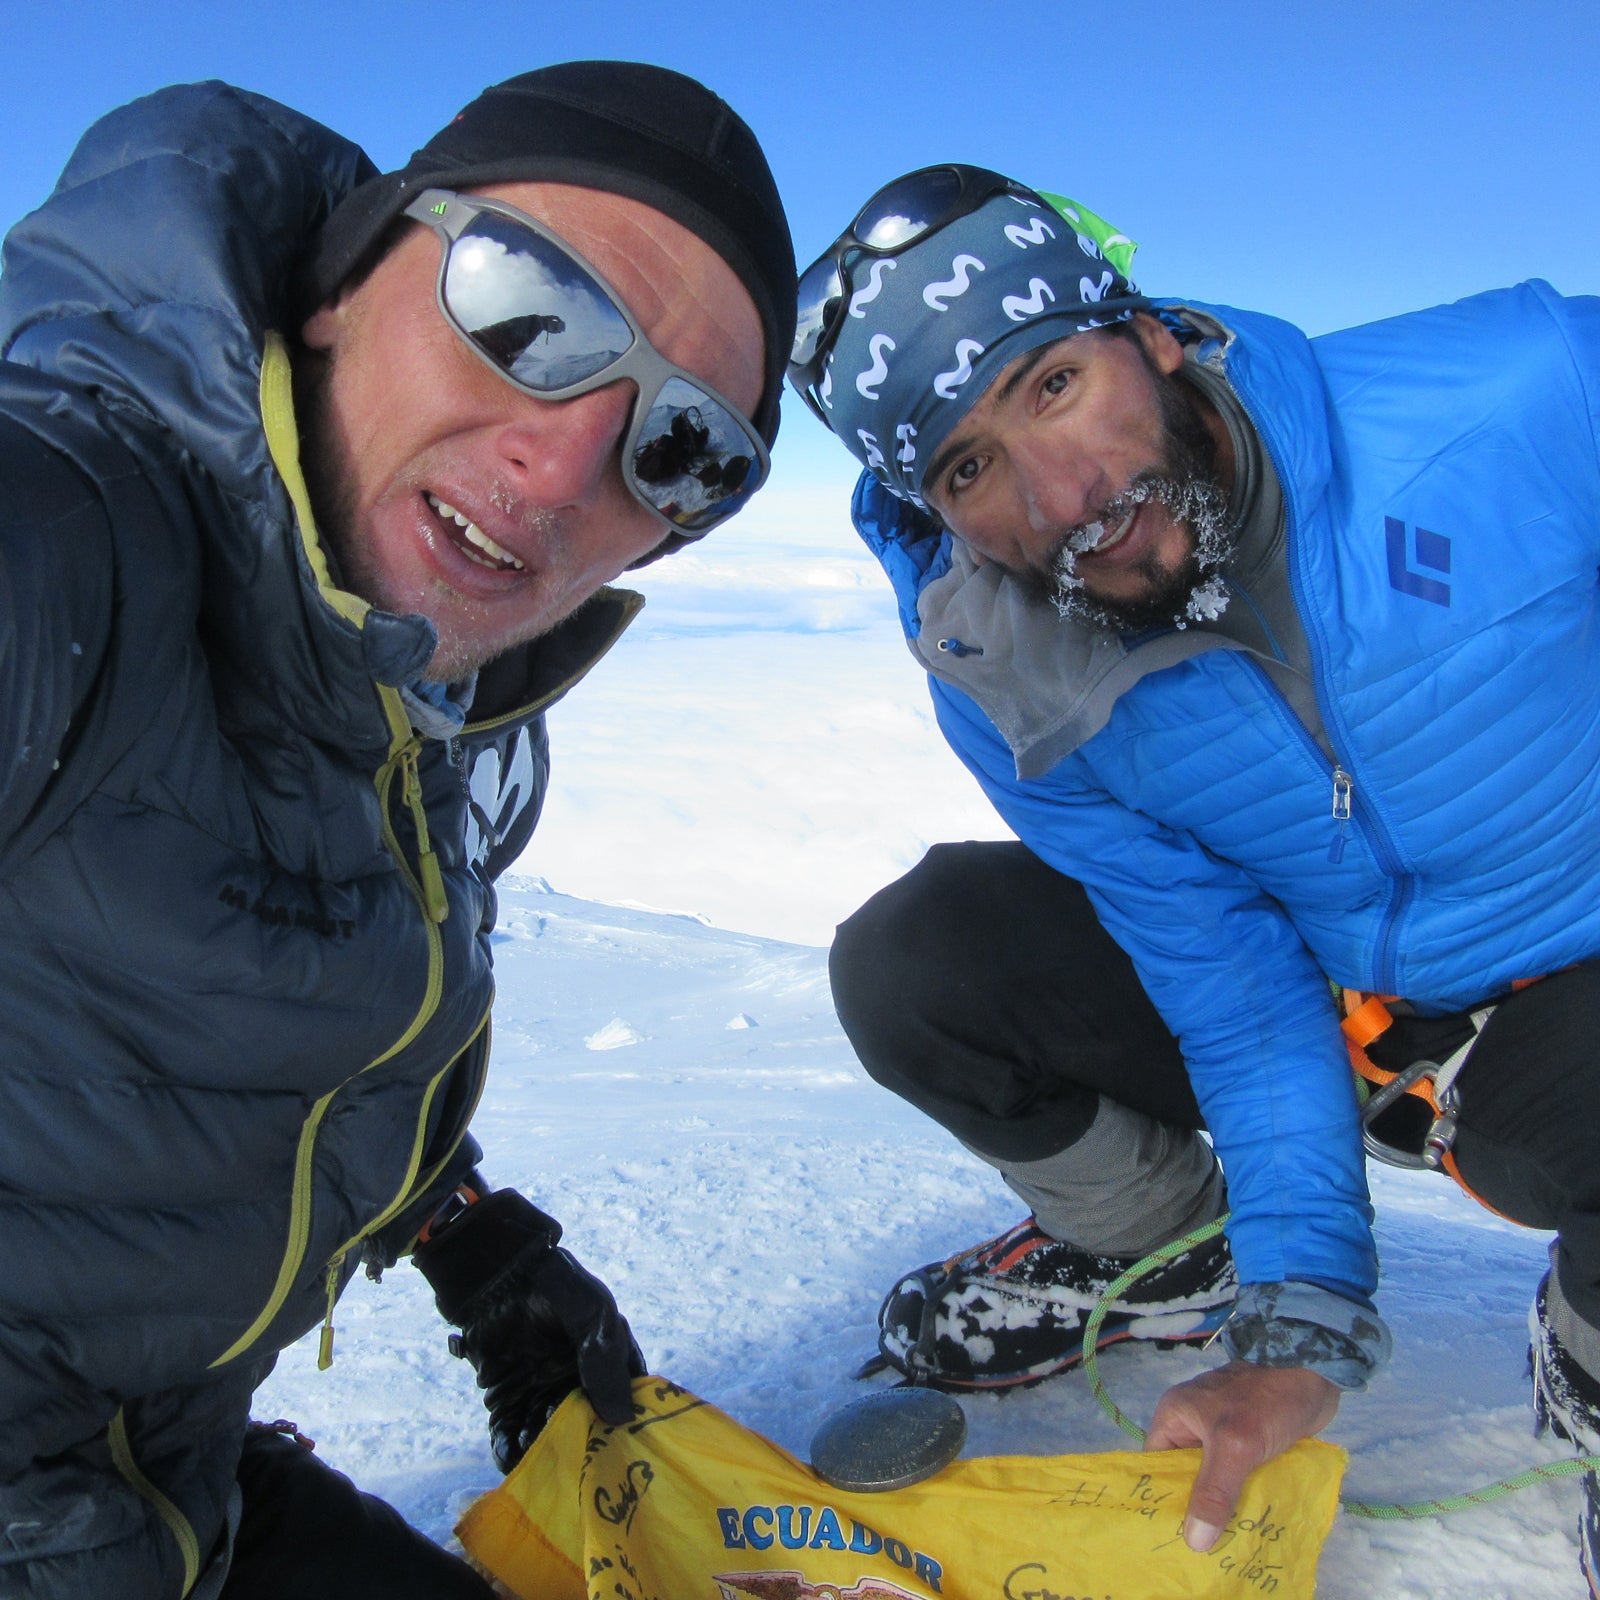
531, 307
895, 218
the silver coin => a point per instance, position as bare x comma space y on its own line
888, 1440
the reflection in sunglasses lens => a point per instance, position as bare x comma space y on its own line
692, 458
820, 291
548, 324
529, 307
908, 208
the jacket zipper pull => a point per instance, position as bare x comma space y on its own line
1343, 789
428, 869
433, 886
325, 1343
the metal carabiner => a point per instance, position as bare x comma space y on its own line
1442, 1134
1380, 1102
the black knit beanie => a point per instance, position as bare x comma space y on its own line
621, 126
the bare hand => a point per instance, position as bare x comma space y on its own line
1240, 1416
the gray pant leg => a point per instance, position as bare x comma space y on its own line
1581, 1339
1128, 1186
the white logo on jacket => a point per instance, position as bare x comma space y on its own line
502, 796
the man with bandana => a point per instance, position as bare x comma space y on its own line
1282, 658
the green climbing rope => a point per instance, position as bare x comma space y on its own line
1408, 1511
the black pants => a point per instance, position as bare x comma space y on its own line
307, 1532
982, 988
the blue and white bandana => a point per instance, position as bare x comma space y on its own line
927, 331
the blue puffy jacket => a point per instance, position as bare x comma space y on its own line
1443, 503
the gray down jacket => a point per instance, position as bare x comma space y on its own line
244, 945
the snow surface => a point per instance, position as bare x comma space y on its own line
682, 1098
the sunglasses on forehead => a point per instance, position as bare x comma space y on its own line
898, 216
531, 307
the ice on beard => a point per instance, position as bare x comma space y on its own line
1208, 602
1195, 502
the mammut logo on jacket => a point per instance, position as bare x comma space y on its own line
501, 789
1431, 552
287, 916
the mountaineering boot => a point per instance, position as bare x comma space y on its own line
1566, 1403
1012, 1311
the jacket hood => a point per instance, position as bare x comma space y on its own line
1050, 683
153, 279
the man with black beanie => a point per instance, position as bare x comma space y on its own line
315, 481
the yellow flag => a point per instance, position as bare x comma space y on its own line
683, 1503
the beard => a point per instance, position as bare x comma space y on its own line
1184, 484
330, 478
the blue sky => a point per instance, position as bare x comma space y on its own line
1328, 163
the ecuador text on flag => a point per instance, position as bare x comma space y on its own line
685, 1504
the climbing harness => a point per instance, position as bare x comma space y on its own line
1366, 1018
1379, 1510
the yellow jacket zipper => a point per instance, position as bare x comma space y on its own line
426, 884
410, 1186
402, 758
181, 1529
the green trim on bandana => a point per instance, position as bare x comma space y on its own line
1116, 247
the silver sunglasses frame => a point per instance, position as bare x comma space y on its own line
449, 214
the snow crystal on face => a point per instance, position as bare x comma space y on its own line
613, 1036
1208, 602
1087, 537
1198, 504
743, 1020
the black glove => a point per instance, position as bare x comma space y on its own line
534, 1324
